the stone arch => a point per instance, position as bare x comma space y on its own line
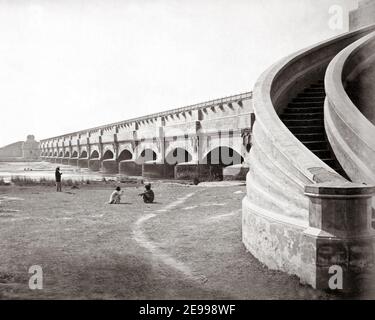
55, 154
75, 154
183, 144
67, 154
94, 155
108, 147
144, 146
146, 155
218, 158
108, 155
83, 154
178, 155
51, 154
223, 156
125, 155
61, 154
224, 147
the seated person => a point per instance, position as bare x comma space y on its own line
115, 196
148, 195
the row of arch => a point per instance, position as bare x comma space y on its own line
220, 155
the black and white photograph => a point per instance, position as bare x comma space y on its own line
187, 150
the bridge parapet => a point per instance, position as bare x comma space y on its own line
131, 143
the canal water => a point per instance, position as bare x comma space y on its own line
38, 170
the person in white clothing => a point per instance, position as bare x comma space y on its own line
115, 196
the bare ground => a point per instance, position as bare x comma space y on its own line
185, 246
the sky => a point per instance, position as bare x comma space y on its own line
68, 65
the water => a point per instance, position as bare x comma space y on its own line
38, 170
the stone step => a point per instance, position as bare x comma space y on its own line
307, 129
306, 104
304, 110
309, 99
317, 86
330, 162
322, 154
303, 123
313, 95
315, 90
303, 116
305, 137
316, 145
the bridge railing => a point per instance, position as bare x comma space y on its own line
198, 106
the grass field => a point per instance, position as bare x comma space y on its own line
185, 246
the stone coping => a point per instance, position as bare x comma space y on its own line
266, 92
333, 188
339, 100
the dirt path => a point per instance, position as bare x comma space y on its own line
185, 246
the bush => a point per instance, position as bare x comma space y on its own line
46, 182
3, 183
22, 181
68, 182
25, 181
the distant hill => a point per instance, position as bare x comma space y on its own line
13, 150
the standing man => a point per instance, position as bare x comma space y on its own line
58, 179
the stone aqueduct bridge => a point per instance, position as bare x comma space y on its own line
195, 141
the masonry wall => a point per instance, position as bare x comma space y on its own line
362, 92
363, 16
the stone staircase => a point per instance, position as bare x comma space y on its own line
304, 117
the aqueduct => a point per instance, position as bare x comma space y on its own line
207, 140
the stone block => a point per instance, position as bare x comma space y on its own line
236, 172
130, 168
110, 166
83, 163
155, 170
73, 162
94, 164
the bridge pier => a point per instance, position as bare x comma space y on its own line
130, 168
203, 172
110, 166
83, 163
186, 171
94, 164
236, 172
154, 170
73, 162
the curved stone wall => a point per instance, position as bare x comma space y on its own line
359, 77
349, 125
280, 226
